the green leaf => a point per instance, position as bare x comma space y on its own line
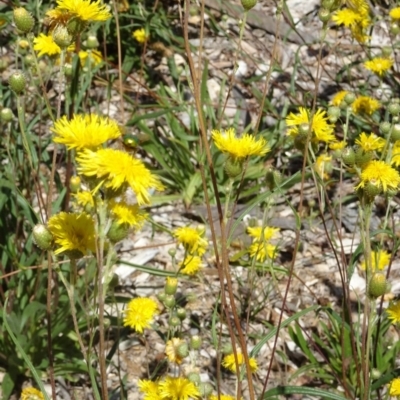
8, 384
302, 390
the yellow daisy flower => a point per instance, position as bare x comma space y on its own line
262, 234
346, 17
379, 260
371, 142
129, 214
380, 175
228, 362
87, 131
338, 145
150, 389
84, 199
85, 10
365, 105
323, 166
338, 98
45, 45
31, 393
322, 130
140, 35
116, 169
171, 350
192, 239
395, 13
394, 388
73, 233
139, 313
379, 65
178, 389
239, 148
190, 265
393, 312
262, 251
90, 58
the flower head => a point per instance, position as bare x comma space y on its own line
395, 13
192, 239
393, 312
84, 199
92, 57
379, 65
178, 389
129, 214
322, 130
229, 362
150, 389
338, 98
171, 350
338, 145
239, 148
262, 233
262, 251
85, 10
365, 105
116, 169
379, 260
371, 142
87, 131
394, 388
140, 35
31, 393
44, 44
323, 166
190, 265
380, 175
139, 313
73, 232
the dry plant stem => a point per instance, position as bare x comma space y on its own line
119, 49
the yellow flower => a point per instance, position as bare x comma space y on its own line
57, 17
73, 233
192, 239
190, 265
322, 130
139, 313
323, 166
178, 389
171, 350
380, 175
87, 131
150, 389
85, 10
239, 148
365, 104
222, 397
396, 153
379, 65
262, 251
84, 199
31, 393
338, 98
140, 35
379, 260
395, 13
346, 17
116, 169
338, 145
229, 362
393, 312
262, 234
371, 142
91, 57
129, 214
44, 44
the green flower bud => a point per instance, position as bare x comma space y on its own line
195, 342
395, 132
183, 350
375, 373
172, 252
377, 286
333, 114
227, 348
161, 296
29, 60
23, 20
205, 389
17, 82
92, 42
387, 51
363, 157
304, 129
68, 70
170, 302
181, 313
117, 232
42, 236
348, 156
300, 141
394, 28
75, 26
171, 285
174, 321
349, 98
324, 15
62, 37
394, 108
273, 178
370, 191
194, 377
248, 4
233, 168
75, 184
384, 127
6, 115
328, 4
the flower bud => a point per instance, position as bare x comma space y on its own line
17, 82
205, 389
363, 157
75, 26
170, 302
62, 37
233, 168
387, 51
117, 232
349, 98
348, 156
328, 4
324, 15
333, 114
195, 342
161, 296
394, 28
6, 115
29, 60
42, 236
23, 44
194, 377
75, 184
174, 321
370, 191
23, 20
395, 132
181, 313
171, 285
183, 350
227, 348
172, 252
273, 178
377, 285
92, 42
68, 70
248, 4
384, 127
394, 108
